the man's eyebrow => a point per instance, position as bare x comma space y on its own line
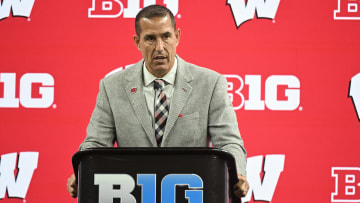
149, 35
166, 33
162, 34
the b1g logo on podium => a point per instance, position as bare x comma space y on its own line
347, 10
27, 97
282, 92
114, 8
347, 184
121, 185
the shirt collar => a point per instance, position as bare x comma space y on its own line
169, 77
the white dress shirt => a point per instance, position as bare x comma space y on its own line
149, 91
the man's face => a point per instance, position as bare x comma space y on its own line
157, 42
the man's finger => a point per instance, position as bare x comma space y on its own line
72, 186
241, 188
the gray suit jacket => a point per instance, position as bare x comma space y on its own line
200, 111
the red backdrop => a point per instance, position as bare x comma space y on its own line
291, 68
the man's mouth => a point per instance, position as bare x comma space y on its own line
160, 58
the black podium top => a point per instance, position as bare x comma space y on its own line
217, 167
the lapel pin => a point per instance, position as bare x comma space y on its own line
180, 115
133, 90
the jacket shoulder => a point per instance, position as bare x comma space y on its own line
201, 72
121, 74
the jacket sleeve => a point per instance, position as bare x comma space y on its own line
101, 128
223, 127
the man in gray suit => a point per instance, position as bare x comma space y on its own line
198, 108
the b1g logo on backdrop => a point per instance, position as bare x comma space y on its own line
243, 12
28, 96
347, 184
26, 165
108, 190
115, 8
354, 93
347, 10
18, 8
282, 92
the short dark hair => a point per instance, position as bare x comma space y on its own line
151, 12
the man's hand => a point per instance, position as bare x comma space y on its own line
72, 186
242, 187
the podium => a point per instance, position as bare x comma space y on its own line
155, 175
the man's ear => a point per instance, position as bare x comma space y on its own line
177, 35
137, 41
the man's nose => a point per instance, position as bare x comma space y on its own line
159, 45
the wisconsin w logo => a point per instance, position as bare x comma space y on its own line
354, 93
243, 12
18, 8
27, 163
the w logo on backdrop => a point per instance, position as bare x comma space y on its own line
354, 93
17, 185
245, 11
18, 8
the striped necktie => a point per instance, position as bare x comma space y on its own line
161, 110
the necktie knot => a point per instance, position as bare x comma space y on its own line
159, 84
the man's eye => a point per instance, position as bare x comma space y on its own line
149, 38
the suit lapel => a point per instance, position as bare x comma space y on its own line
182, 90
134, 90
